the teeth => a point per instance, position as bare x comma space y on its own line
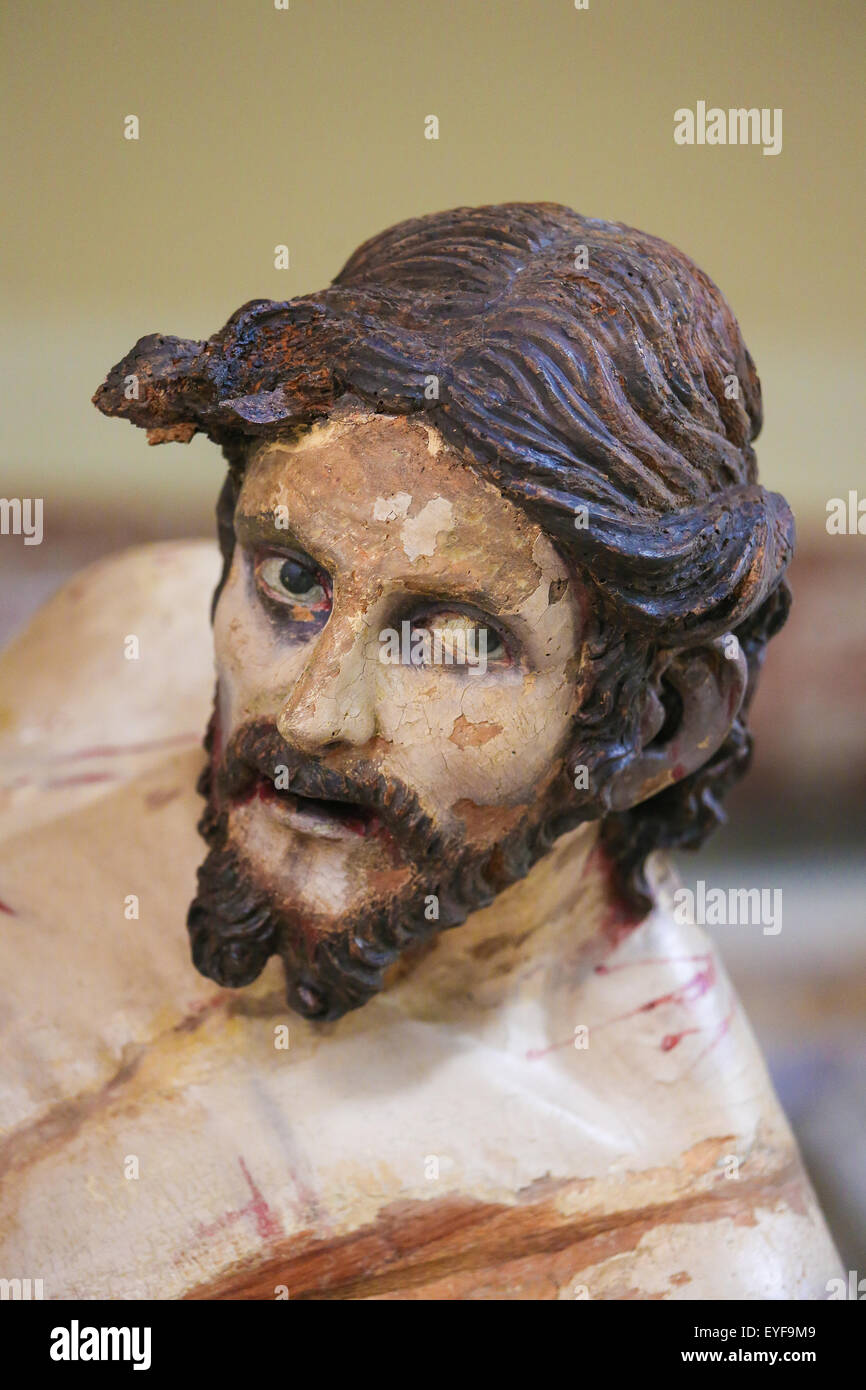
347, 815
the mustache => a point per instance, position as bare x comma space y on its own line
258, 751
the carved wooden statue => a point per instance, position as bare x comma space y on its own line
496, 582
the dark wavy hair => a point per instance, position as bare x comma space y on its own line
592, 372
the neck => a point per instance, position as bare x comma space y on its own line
565, 906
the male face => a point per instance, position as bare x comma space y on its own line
397, 651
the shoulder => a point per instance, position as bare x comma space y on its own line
117, 667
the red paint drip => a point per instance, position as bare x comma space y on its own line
107, 750
266, 1221
76, 780
267, 1224
685, 995
672, 1040
648, 960
620, 919
694, 989
121, 750
83, 779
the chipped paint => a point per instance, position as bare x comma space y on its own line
419, 534
390, 508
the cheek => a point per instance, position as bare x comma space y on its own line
486, 740
253, 665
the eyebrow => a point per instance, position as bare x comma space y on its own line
261, 528
441, 592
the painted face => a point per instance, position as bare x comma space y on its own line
396, 650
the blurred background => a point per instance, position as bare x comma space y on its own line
304, 126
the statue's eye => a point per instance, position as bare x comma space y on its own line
456, 639
291, 581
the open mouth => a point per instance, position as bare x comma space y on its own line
314, 815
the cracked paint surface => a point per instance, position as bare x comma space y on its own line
395, 524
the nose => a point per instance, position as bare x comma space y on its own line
333, 700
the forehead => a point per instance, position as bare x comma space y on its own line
388, 492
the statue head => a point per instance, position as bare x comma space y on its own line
495, 562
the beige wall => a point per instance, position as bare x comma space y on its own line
306, 127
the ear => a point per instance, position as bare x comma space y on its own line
686, 716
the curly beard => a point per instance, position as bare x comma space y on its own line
235, 924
